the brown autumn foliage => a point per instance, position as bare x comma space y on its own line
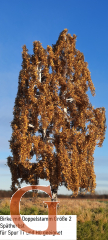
64, 114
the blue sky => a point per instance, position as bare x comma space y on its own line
22, 22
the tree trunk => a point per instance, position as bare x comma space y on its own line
54, 195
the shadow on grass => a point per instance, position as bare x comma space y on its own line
25, 211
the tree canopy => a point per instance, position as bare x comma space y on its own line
52, 102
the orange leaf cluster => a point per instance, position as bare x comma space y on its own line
64, 115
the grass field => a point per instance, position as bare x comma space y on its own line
92, 215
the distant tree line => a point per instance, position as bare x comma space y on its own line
9, 193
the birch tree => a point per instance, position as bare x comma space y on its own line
54, 120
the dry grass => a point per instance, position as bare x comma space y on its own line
92, 215
4, 203
84, 209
